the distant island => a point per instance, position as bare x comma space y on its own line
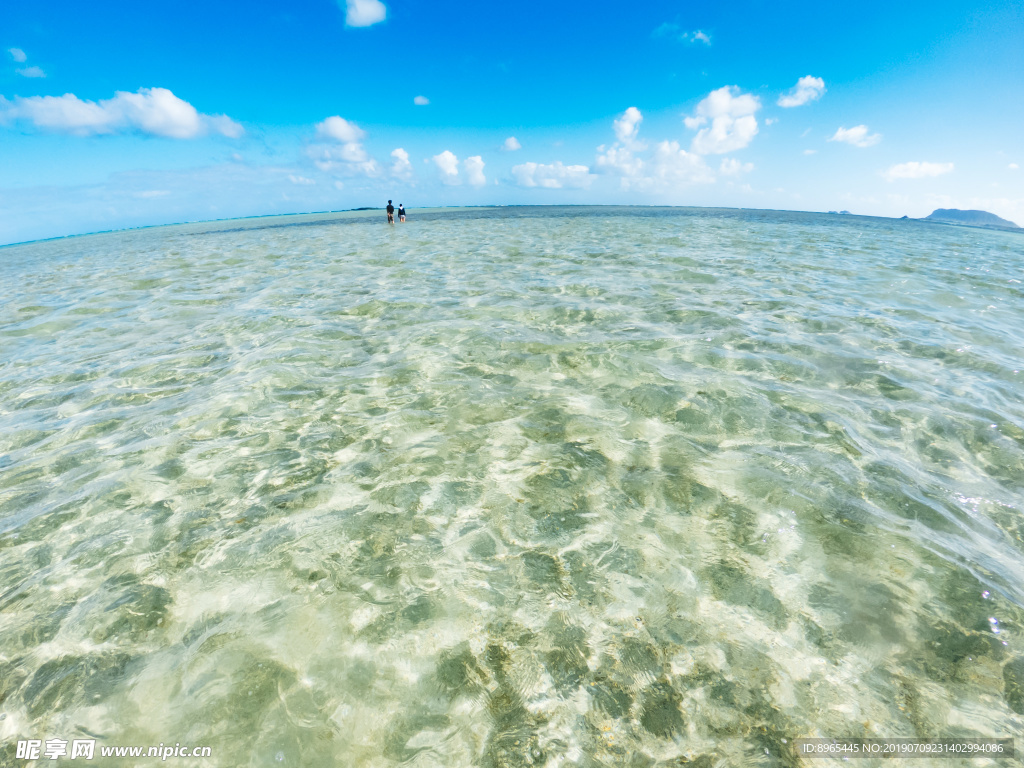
970, 218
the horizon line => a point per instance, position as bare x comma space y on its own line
493, 205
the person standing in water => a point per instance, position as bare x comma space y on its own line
391, 213
401, 212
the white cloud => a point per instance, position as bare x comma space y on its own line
301, 180
353, 152
627, 125
620, 157
474, 168
65, 113
364, 13
160, 112
421, 101
401, 167
224, 125
810, 151
732, 167
340, 129
771, 120
916, 170
1013, 166
350, 159
620, 160
674, 31
17, 54
672, 166
552, 176
667, 167
448, 164
156, 111
733, 125
31, 72
511, 144
806, 89
858, 136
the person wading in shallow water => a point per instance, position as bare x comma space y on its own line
401, 212
391, 213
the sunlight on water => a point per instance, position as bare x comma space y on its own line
512, 487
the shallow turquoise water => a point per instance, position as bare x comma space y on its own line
506, 487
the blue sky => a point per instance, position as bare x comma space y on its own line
123, 114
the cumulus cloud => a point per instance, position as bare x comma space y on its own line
672, 166
806, 89
511, 144
448, 164
155, 111
401, 168
421, 101
732, 167
340, 129
351, 158
620, 157
353, 152
732, 122
301, 180
364, 13
474, 168
667, 167
916, 170
552, 176
858, 136
17, 54
627, 126
675, 32
620, 160
31, 72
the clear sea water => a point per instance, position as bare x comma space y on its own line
506, 487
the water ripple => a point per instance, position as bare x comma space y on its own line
512, 486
